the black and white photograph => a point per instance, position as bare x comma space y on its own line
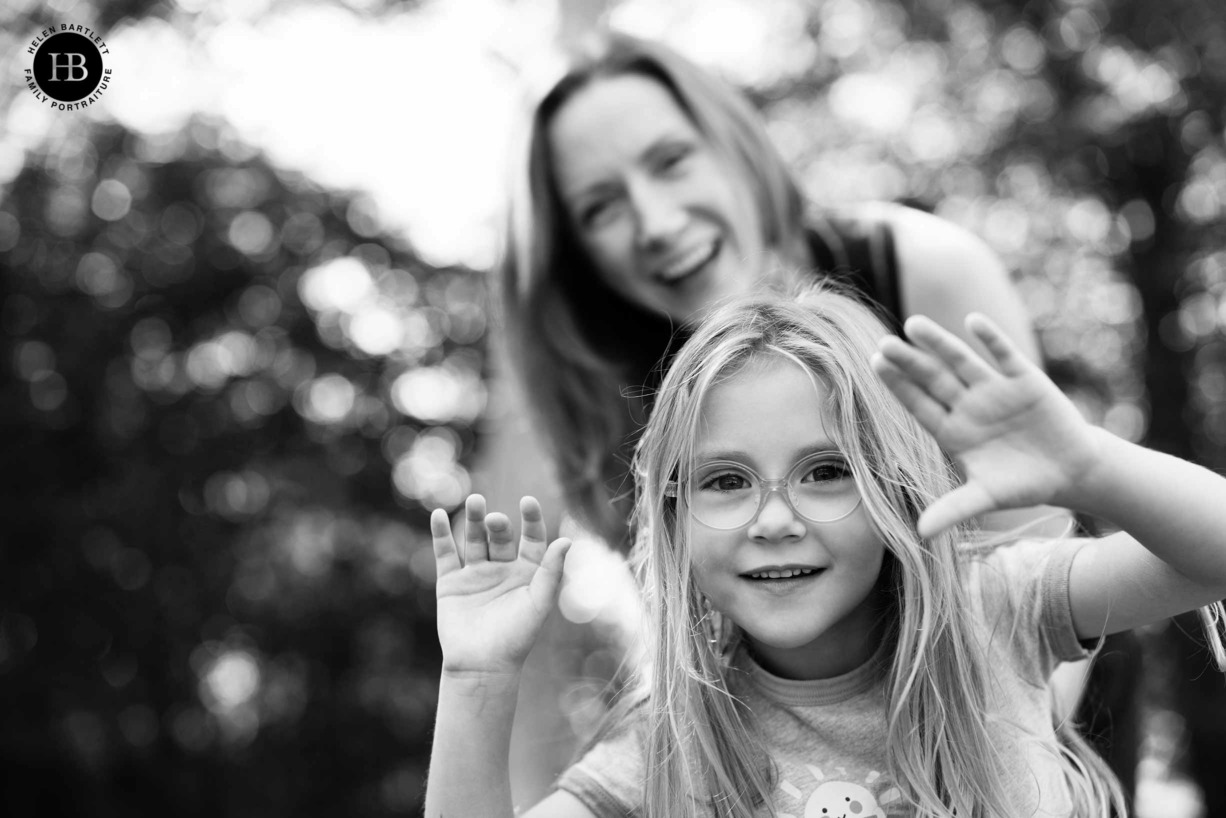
597, 408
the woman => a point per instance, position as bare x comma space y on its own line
651, 193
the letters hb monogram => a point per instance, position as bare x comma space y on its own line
71, 65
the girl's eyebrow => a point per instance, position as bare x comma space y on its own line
739, 456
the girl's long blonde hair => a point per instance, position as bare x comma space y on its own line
704, 754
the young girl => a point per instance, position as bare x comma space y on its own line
828, 642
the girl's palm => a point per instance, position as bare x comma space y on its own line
493, 601
1018, 439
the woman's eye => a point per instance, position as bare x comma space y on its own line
673, 158
593, 214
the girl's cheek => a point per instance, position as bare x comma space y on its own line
702, 573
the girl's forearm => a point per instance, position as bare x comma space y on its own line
469, 762
1174, 508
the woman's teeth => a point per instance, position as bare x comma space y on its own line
688, 263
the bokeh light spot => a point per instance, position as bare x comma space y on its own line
430, 473
112, 200
32, 359
327, 400
341, 285
251, 233
232, 679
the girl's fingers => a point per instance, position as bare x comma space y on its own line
1004, 353
927, 410
547, 580
476, 539
962, 503
532, 525
966, 363
502, 537
445, 555
924, 370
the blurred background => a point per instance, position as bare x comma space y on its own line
246, 344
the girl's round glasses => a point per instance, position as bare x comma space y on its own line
725, 495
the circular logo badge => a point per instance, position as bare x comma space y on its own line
67, 67
67, 70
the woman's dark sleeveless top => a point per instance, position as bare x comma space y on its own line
860, 252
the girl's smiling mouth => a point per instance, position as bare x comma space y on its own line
781, 572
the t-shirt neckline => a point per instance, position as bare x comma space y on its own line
808, 692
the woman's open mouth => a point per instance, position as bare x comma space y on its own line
689, 263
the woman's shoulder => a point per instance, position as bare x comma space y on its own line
916, 233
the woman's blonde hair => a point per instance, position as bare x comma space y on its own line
581, 349
939, 749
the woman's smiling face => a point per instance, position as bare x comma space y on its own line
803, 592
666, 221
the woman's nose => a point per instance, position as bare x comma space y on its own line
658, 215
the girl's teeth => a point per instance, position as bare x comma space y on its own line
784, 574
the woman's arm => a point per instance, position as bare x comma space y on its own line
493, 597
1021, 442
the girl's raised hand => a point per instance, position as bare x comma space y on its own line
493, 596
1019, 441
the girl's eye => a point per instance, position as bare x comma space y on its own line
727, 481
826, 471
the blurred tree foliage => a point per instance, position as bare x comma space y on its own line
229, 403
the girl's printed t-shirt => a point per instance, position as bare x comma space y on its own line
827, 736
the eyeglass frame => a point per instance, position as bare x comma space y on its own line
765, 488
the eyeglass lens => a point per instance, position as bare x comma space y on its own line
727, 495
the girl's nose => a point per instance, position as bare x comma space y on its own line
777, 520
